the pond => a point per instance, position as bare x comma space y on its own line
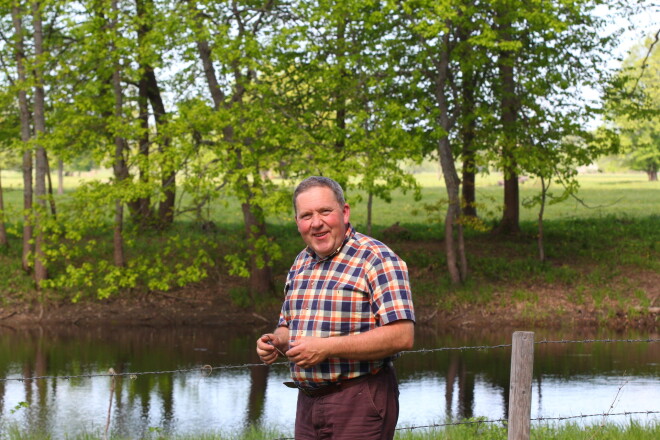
438, 384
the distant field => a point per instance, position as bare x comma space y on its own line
624, 195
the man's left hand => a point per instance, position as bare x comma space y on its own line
308, 351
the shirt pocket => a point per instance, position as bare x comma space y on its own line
343, 309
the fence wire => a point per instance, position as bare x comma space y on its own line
208, 369
505, 421
537, 419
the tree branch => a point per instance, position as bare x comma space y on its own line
644, 65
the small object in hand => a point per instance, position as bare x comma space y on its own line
270, 342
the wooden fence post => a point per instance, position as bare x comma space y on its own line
520, 389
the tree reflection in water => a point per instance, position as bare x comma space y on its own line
475, 382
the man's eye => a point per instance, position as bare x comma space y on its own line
306, 216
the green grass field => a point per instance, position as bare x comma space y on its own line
631, 431
611, 234
625, 195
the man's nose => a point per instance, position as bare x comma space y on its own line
316, 221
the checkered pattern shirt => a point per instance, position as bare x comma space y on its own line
363, 285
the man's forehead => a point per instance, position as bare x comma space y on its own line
317, 193
317, 201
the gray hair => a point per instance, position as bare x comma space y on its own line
319, 181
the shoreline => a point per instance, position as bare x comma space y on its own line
165, 310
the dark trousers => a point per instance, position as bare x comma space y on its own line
368, 410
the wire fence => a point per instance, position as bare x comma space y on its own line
537, 419
505, 421
207, 370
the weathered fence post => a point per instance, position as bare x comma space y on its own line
520, 389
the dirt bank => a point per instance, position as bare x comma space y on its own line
202, 307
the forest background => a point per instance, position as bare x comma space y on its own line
193, 120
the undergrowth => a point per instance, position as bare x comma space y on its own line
585, 258
609, 431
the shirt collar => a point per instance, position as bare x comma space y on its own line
349, 232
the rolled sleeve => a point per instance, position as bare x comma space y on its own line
391, 295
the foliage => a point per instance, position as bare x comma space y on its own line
634, 110
199, 106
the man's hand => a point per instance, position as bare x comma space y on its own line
375, 344
267, 347
308, 351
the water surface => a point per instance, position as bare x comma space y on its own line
570, 379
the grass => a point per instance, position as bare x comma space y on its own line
591, 251
629, 431
624, 195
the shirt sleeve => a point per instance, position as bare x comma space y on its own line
390, 286
283, 322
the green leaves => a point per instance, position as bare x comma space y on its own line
257, 95
633, 108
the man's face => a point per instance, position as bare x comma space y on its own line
321, 220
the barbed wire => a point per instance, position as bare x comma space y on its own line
562, 341
204, 369
590, 341
537, 419
505, 421
208, 369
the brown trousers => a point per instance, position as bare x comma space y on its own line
368, 410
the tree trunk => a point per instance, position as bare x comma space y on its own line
541, 247
510, 223
143, 204
468, 128
204, 50
119, 165
25, 137
468, 190
653, 175
40, 270
370, 203
340, 95
261, 278
454, 251
453, 208
28, 227
509, 114
149, 92
4, 242
60, 177
51, 198
168, 174
468, 131
118, 256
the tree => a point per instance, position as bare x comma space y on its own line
634, 107
241, 127
40, 269
119, 163
545, 57
8, 133
17, 14
347, 99
428, 27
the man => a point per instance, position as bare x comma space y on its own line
347, 312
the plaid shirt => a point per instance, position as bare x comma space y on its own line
363, 285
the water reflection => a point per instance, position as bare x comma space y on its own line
570, 379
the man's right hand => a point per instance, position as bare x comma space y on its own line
267, 348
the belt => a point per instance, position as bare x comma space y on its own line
335, 386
